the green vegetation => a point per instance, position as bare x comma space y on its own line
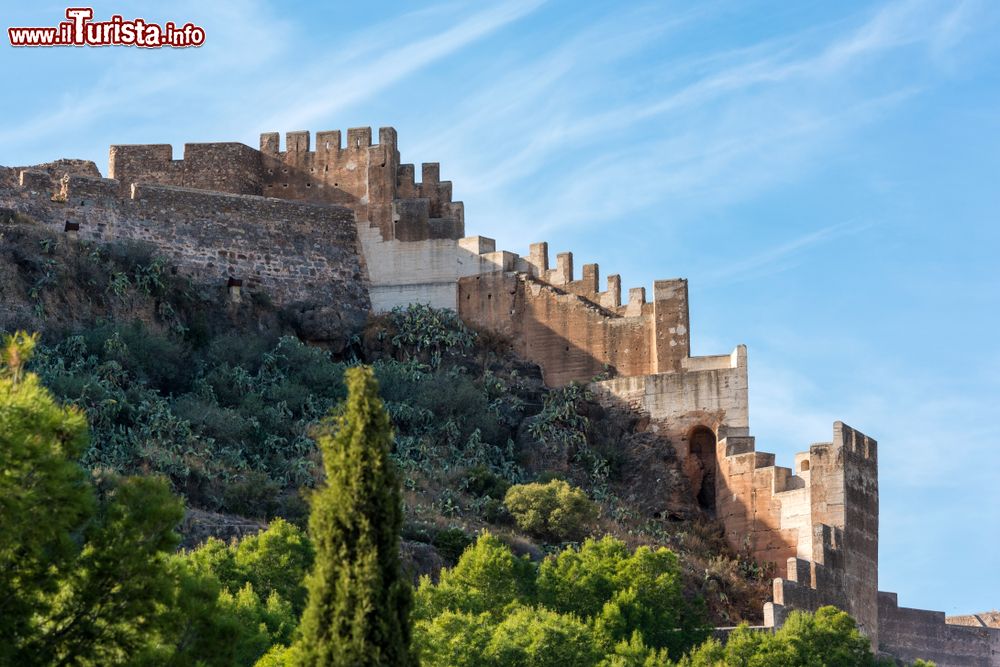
229, 603
227, 424
829, 637
95, 583
555, 510
83, 563
359, 603
602, 605
228, 419
581, 604
224, 404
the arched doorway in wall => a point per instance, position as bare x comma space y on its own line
701, 443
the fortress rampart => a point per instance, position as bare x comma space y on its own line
346, 226
362, 176
295, 251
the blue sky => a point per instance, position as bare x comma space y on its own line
825, 174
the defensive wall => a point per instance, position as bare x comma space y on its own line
295, 251
349, 226
909, 634
365, 177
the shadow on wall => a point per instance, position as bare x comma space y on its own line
702, 467
570, 337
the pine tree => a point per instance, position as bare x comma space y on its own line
82, 569
359, 602
44, 495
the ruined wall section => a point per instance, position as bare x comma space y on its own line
10, 177
297, 252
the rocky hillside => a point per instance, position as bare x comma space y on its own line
221, 396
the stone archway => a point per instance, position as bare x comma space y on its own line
701, 445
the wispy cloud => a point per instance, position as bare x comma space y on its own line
932, 444
782, 256
125, 88
364, 79
735, 124
257, 79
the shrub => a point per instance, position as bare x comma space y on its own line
453, 639
554, 510
273, 561
419, 328
208, 624
828, 637
481, 482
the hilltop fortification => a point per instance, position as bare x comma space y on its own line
344, 227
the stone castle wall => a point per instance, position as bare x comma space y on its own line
909, 634
573, 330
823, 521
221, 167
295, 251
367, 178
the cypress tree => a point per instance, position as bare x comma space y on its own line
359, 602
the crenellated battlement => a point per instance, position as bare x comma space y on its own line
298, 149
588, 285
69, 189
364, 176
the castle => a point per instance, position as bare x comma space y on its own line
345, 224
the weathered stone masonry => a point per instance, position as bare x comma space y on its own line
296, 251
365, 177
345, 225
